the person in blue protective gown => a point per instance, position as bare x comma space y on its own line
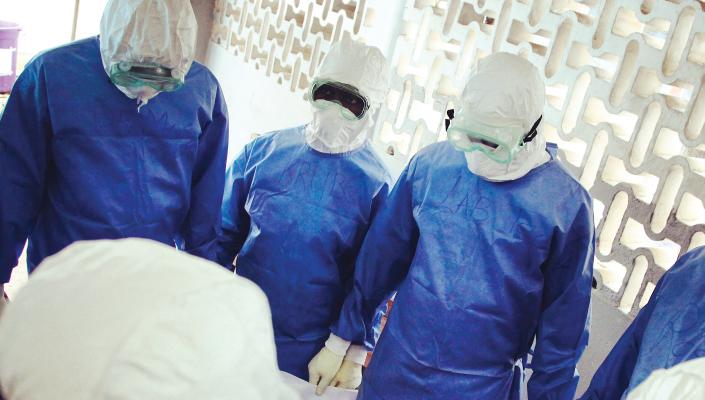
83, 156
491, 248
669, 330
297, 205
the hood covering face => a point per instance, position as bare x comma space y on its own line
364, 68
161, 32
358, 65
330, 133
507, 92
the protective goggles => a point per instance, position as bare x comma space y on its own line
352, 104
132, 75
497, 143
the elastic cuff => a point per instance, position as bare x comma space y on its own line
337, 345
356, 354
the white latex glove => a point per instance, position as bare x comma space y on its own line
322, 369
349, 375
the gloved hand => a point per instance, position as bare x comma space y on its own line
349, 375
322, 369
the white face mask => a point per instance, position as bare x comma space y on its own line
330, 132
143, 94
530, 156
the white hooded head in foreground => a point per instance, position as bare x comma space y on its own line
685, 381
135, 319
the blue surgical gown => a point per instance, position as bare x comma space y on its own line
79, 162
296, 218
669, 330
484, 269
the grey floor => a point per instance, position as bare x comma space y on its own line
607, 327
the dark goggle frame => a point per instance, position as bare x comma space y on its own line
155, 76
345, 95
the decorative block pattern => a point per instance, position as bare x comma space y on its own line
625, 99
285, 39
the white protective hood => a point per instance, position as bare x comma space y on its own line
506, 90
358, 65
149, 31
685, 381
135, 319
362, 67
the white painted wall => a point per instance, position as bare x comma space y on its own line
256, 103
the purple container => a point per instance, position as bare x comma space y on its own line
8, 55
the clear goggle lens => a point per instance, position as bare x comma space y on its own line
499, 144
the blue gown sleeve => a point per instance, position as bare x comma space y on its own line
383, 261
235, 222
563, 327
377, 203
200, 229
614, 375
25, 137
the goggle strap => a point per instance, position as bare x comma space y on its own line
451, 114
533, 132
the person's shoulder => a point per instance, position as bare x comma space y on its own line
66, 54
683, 280
201, 72
438, 154
373, 164
693, 261
278, 140
567, 178
199, 69
291, 134
442, 149
562, 178
436, 158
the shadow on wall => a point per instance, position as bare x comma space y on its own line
204, 16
